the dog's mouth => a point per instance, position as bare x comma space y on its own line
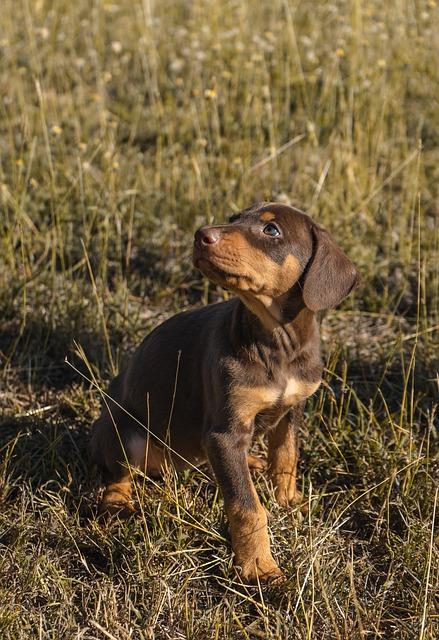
217, 273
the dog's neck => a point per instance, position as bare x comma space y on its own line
286, 326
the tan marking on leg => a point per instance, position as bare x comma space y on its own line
283, 455
251, 543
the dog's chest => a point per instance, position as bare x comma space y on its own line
297, 390
272, 399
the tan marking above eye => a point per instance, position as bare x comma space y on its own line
267, 216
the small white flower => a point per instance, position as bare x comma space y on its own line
177, 65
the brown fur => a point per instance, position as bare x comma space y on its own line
206, 380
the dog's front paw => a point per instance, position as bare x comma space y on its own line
260, 569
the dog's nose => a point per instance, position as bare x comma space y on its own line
207, 235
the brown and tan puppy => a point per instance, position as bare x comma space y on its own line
206, 380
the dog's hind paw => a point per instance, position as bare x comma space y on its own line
117, 504
255, 463
286, 498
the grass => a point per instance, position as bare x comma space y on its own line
123, 127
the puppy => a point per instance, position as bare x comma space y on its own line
203, 382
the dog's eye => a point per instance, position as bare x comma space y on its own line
271, 230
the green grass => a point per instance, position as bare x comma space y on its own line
123, 127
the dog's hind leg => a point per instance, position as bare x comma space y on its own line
283, 455
111, 455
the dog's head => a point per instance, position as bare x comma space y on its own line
274, 255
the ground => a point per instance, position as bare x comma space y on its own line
126, 125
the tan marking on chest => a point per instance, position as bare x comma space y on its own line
247, 402
297, 390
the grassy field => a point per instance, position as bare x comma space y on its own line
123, 127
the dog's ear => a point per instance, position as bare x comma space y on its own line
330, 275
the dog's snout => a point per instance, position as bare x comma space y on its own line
207, 235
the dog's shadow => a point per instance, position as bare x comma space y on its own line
46, 454
44, 443
36, 355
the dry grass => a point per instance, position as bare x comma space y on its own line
124, 126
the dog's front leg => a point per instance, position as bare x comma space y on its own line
227, 454
283, 455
